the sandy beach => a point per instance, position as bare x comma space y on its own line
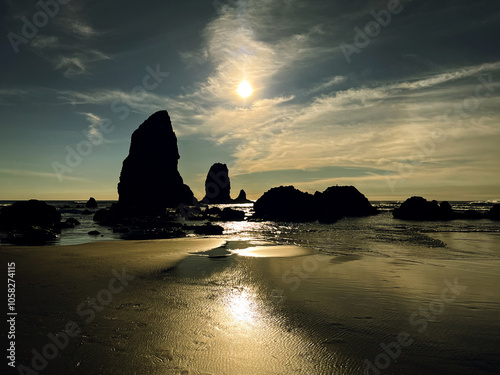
219, 306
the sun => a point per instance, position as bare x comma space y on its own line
245, 89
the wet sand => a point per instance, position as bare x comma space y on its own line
203, 306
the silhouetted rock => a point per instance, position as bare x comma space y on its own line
342, 201
149, 180
123, 230
229, 214
493, 213
418, 208
209, 229
105, 217
242, 198
289, 204
217, 185
69, 223
30, 223
446, 211
212, 213
195, 216
91, 203
25, 215
285, 203
32, 236
94, 233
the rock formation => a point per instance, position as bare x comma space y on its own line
217, 185
91, 203
25, 214
285, 203
242, 198
228, 214
149, 179
342, 201
493, 213
30, 222
418, 208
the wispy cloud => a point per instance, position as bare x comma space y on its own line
336, 121
76, 63
8, 95
68, 41
94, 121
25, 173
82, 29
332, 82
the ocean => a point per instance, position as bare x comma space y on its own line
377, 235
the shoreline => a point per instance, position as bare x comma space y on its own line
206, 306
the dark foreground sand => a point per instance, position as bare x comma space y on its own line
249, 308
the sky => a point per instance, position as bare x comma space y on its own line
398, 98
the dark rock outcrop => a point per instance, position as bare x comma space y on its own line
342, 201
242, 198
33, 236
149, 180
228, 214
209, 229
418, 208
30, 222
286, 203
493, 213
217, 185
27, 214
91, 203
105, 217
69, 223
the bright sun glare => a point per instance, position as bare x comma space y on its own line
244, 89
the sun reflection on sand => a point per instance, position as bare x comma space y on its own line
243, 306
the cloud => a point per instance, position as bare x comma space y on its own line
8, 96
327, 85
73, 59
76, 63
25, 173
233, 47
344, 120
95, 121
68, 42
82, 29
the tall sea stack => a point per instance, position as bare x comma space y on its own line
217, 185
149, 178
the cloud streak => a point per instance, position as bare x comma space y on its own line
45, 175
